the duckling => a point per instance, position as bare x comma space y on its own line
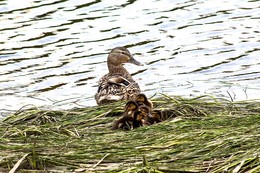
126, 121
141, 116
138, 120
156, 117
141, 99
118, 84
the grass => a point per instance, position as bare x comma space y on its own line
202, 134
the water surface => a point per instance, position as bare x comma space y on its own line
53, 52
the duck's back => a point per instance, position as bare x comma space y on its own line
115, 88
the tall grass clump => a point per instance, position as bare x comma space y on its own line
202, 134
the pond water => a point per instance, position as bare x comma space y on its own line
53, 52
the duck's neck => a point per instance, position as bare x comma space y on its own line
118, 70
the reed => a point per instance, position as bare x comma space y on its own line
203, 134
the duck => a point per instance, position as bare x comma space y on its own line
118, 83
125, 122
141, 99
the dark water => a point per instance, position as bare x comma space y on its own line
53, 52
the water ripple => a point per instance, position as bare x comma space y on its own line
53, 52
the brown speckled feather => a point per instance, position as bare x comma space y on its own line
110, 92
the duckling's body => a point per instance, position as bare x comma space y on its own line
138, 120
125, 123
127, 119
118, 84
142, 116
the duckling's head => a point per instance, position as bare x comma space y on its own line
141, 99
156, 117
121, 55
157, 114
145, 110
141, 116
130, 107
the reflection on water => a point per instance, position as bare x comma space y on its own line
53, 52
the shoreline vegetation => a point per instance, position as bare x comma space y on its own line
202, 134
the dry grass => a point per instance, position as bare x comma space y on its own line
203, 134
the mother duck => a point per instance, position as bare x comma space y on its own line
118, 84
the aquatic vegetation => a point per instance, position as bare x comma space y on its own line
202, 134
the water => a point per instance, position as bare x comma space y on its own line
53, 52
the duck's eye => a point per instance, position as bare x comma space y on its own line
124, 53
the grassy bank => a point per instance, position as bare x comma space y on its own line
203, 134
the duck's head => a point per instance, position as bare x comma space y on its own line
121, 55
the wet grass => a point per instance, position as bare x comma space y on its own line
202, 134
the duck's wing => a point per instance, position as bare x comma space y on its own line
119, 80
114, 88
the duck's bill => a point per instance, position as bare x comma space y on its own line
133, 61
